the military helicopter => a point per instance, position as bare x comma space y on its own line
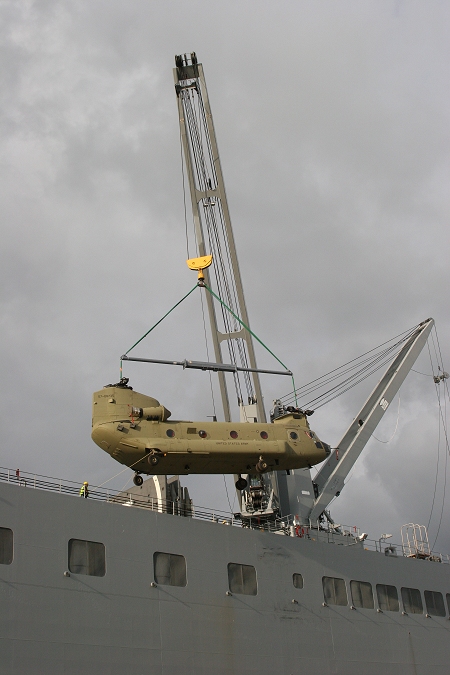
135, 430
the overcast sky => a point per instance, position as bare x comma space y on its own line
333, 126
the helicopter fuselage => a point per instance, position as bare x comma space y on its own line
135, 430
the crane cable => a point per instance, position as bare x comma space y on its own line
364, 368
250, 331
194, 131
396, 427
225, 288
443, 418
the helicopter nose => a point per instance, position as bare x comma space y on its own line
101, 435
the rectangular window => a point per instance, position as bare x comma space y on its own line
170, 569
362, 595
297, 580
387, 598
448, 602
334, 591
242, 579
6, 546
412, 601
435, 603
87, 557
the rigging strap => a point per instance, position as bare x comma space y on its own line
251, 333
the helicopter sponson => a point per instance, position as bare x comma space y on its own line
135, 430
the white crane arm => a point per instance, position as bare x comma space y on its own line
331, 477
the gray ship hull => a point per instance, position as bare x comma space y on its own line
120, 624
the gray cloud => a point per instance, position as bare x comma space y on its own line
332, 121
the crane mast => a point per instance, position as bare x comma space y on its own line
214, 235
279, 493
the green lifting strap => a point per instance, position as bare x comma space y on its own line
229, 310
157, 324
251, 333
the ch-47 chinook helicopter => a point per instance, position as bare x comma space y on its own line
135, 430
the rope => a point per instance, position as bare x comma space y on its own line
396, 426
120, 472
226, 490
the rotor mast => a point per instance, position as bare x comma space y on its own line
213, 230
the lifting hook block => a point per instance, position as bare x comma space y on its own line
200, 264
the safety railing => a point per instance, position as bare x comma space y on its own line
325, 532
51, 484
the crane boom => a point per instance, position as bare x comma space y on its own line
331, 477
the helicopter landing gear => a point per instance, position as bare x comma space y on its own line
261, 466
153, 458
241, 483
137, 479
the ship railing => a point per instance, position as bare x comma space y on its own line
319, 531
177, 507
399, 550
350, 535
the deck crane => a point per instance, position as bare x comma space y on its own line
278, 493
308, 499
214, 235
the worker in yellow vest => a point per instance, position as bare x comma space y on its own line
84, 492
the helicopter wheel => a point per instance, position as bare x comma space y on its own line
241, 483
137, 479
153, 460
261, 466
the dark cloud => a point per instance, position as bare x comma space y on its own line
332, 121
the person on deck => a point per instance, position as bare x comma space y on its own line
84, 491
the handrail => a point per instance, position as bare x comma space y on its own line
342, 535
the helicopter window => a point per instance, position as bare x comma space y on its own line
87, 557
297, 580
387, 598
6, 546
334, 591
170, 433
435, 603
202, 433
293, 435
242, 579
448, 601
170, 569
233, 434
362, 594
264, 435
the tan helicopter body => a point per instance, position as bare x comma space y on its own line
134, 429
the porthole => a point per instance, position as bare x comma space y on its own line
264, 435
293, 435
170, 433
202, 433
233, 434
